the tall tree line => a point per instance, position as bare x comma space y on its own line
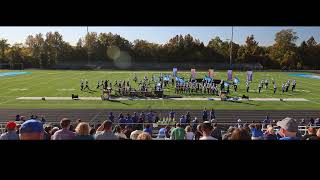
44, 51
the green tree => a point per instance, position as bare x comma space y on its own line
284, 47
3, 46
15, 54
37, 45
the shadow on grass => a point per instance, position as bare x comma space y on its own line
243, 102
117, 101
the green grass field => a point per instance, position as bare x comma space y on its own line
63, 83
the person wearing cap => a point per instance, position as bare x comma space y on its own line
31, 130
206, 131
104, 132
288, 129
11, 133
64, 133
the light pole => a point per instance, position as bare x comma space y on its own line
231, 46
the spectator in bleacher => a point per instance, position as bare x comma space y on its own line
216, 132
64, 133
134, 135
198, 133
142, 116
206, 131
122, 121
188, 118
144, 136
205, 115
111, 117
104, 132
288, 129
265, 122
135, 117
178, 133
318, 133
129, 120
78, 121
118, 132
256, 132
83, 132
43, 120
172, 114
157, 118
140, 123
97, 125
17, 117
150, 117
311, 134
311, 122
23, 118
227, 135
148, 129
240, 134
162, 132
183, 121
71, 128
212, 114
18, 128
31, 130
92, 132
317, 122
194, 124
270, 134
127, 131
47, 129
11, 132
189, 133
53, 130
246, 127
168, 132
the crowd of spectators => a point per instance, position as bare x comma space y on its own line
140, 127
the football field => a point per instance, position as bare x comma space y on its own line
63, 83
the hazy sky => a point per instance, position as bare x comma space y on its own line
158, 34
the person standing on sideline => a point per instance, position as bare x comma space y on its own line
205, 114
260, 86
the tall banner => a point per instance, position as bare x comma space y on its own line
211, 73
193, 73
249, 75
174, 72
229, 75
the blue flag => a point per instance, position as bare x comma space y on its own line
236, 80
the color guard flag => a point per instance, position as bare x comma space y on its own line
174, 72
193, 73
229, 75
249, 75
236, 80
